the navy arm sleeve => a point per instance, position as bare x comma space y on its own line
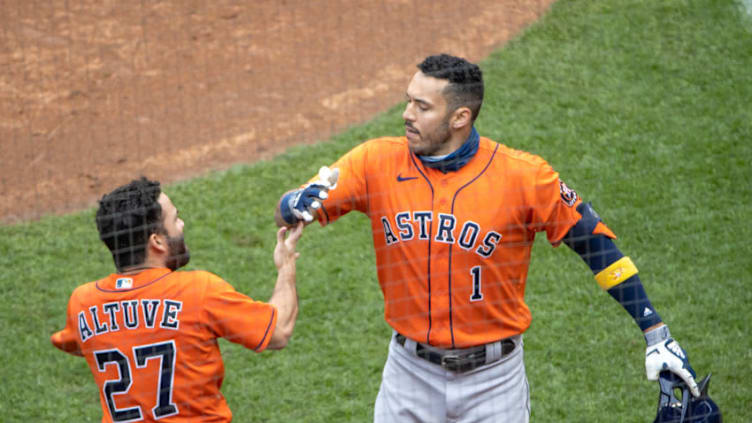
599, 252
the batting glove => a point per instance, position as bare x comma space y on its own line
664, 353
301, 204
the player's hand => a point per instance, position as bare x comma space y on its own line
284, 251
301, 204
668, 355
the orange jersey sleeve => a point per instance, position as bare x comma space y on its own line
352, 194
151, 342
554, 205
66, 339
237, 318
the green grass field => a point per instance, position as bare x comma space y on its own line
642, 106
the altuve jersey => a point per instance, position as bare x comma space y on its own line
453, 249
150, 340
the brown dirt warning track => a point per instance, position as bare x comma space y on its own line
95, 93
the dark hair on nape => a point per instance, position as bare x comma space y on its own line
126, 219
465, 86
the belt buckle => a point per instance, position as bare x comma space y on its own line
451, 362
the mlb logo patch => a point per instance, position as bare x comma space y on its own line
124, 283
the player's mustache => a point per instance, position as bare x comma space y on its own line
410, 126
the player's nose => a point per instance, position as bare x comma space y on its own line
407, 114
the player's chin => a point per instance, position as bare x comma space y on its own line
414, 142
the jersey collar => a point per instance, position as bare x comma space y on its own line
119, 283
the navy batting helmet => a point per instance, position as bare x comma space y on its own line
687, 408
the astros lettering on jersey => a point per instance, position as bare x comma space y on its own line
452, 260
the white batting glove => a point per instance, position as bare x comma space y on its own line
301, 204
328, 177
664, 353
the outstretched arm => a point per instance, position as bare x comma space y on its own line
617, 274
285, 295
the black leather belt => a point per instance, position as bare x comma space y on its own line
450, 360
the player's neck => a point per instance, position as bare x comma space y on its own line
457, 139
136, 269
149, 263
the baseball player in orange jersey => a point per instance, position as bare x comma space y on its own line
453, 217
149, 333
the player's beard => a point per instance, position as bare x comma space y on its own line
178, 253
432, 142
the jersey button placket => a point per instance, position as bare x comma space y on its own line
441, 248
443, 195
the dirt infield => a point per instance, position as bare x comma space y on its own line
94, 93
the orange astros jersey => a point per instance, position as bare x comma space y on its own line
151, 342
453, 249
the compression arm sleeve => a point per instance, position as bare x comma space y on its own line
614, 272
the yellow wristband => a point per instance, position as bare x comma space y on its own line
616, 273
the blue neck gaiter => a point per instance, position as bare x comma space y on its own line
458, 158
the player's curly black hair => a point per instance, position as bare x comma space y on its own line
127, 217
465, 86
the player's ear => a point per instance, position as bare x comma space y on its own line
461, 118
158, 242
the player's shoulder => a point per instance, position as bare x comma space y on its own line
199, 284
86, 289
381, 148
512, 156
198, 277
385, 144
388, 141
86, 293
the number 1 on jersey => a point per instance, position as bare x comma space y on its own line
475, 273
